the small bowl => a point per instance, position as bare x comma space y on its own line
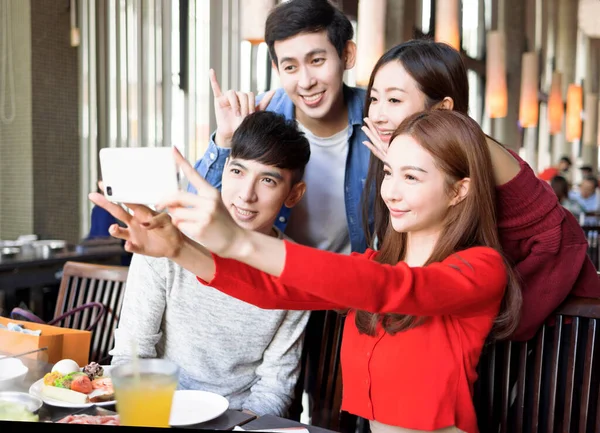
46, 248
33, 404
9, 252
17, 374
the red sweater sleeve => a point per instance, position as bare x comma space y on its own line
466, 283
527, 206
261, 289
546, 246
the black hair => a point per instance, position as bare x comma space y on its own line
586, 168
307, 16
268, 138
566, 159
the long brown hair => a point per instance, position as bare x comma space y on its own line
459, 149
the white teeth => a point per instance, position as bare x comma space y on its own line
244, 212
312, 98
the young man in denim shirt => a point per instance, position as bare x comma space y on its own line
310, 42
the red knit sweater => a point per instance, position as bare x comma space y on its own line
547, 247
421, 378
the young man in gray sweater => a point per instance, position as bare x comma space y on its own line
223, 345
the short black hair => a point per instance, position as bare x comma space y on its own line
307, 16
268, 138
586, 168
566, 159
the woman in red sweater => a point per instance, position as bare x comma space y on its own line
420, 308
543, 242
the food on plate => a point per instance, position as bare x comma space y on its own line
82, 388
65, 395
66, 366
82, 384
103, 390
93, 370
90, 419
51, 378
67, 380
101, 395
103, 382
11, 411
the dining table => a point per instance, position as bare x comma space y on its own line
230, 419
34, 269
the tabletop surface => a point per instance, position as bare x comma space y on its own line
26, 260
268, 422
38, 367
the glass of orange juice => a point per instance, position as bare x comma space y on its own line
144, 391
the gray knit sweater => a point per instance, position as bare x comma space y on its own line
222, 345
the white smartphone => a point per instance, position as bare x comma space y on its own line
141, 175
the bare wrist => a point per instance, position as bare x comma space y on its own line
243, 247
222, 141
180, 250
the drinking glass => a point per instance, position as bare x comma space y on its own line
144, 391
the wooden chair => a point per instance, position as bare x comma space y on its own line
89, 298
548, 384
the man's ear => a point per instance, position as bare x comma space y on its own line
295, 195
445, 104
461, 189
349, 55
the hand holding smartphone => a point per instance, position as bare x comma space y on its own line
140, 175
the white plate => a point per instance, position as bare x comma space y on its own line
36, 390
193, 407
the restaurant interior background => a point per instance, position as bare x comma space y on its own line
77, 76
80, 75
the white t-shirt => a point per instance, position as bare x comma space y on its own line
319, 219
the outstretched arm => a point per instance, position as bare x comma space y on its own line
465, 282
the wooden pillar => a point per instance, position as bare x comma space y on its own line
401, 21
566, 49
589, 150
511, 20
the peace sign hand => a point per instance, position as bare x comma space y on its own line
203, 216
231, 108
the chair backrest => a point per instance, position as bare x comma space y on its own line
548, 384
84, 283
